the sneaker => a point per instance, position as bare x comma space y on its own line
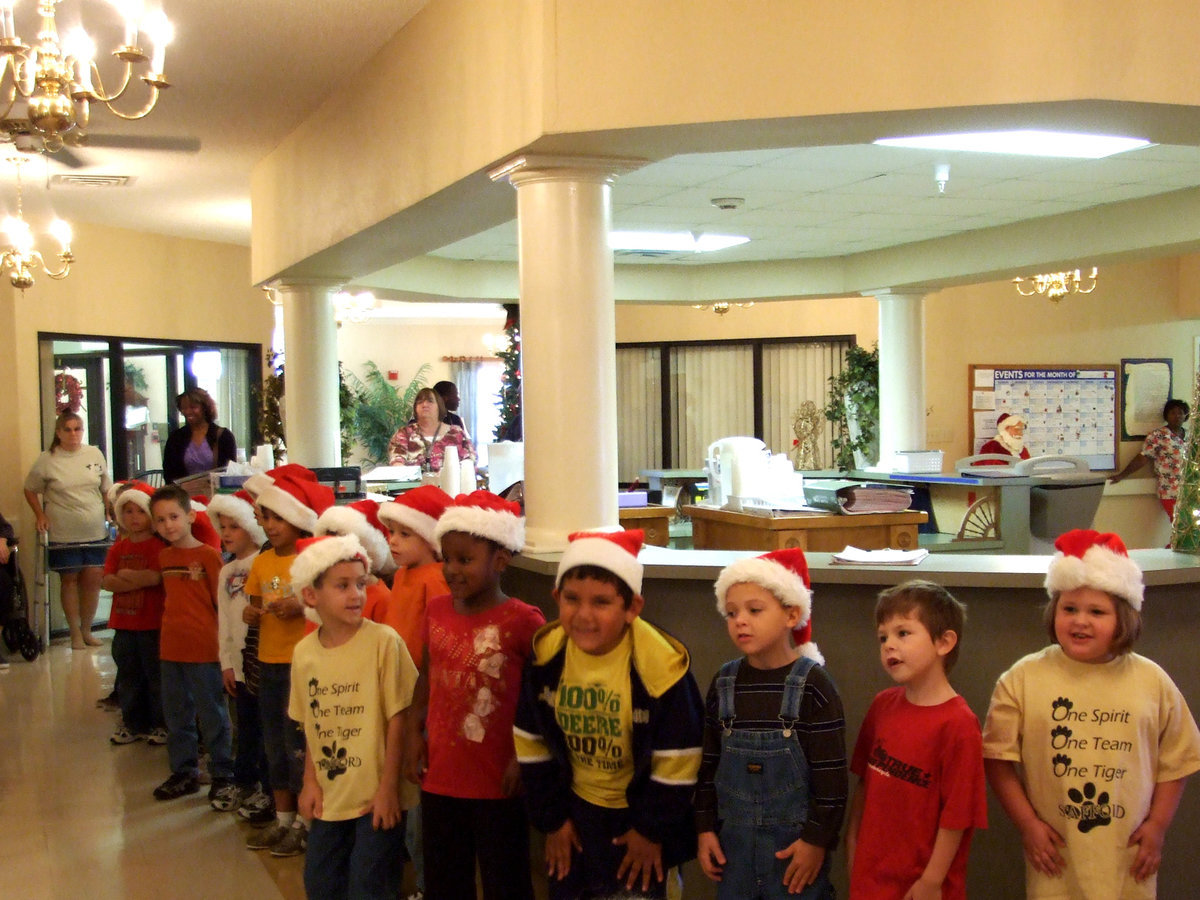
176, 786
122, 735
416, 895
224, 795
155, 736
294, 842
109, 703
267, 837
257, 809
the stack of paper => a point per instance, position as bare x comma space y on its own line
857, 557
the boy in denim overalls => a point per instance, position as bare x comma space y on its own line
608, 730
770, 799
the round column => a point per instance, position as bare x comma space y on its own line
901, 373
312, 420
568, 344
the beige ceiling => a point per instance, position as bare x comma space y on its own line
246, 73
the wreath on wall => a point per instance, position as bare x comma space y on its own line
68, 393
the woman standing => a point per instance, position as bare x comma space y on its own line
200, 444
65, 489
1165, 445
424, 442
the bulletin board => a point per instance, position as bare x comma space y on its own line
1068, 410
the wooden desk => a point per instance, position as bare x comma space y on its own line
721, 529
654, 520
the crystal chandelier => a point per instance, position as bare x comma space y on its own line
1056, 285
49, 85
721, 307
19, 257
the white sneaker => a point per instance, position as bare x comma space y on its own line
123, 735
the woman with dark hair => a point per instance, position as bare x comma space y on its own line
65, 489
1165, 445
200, 443
424, 442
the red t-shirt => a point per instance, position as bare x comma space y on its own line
141, 609
475, 667
189, 623
922, 769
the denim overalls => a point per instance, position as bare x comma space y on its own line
762, 796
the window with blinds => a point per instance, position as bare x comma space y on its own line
674, 399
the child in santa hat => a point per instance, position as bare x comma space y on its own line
289, 509
1103, 736
241, 537
351, 682
476, 641
132, 574
361, 519
608, 729
918, 751
752, 770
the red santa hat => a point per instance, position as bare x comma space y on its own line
418, 510
1008, 420
238, 506
202, 526
115, 489
1087, 558
259, 481
784, 573
135, 492
484, 515
614, 551
296, 502
361, 519
317, 555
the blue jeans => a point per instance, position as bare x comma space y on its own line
351, 860
282, 738
191, 691
593, 872
139, 679
250, 759
762, 798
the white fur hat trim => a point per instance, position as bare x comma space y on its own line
257, 483
504, 528
287, 507
345, 520
131, 495
322, 554
603, 553
240, 511
412, 519
1099, 568
781, 581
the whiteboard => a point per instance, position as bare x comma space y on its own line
1068, 410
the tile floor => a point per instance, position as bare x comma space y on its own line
77, 818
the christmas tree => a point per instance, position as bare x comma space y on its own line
1185, 530
509, 400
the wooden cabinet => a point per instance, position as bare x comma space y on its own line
721, 529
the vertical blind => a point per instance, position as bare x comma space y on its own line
711, 394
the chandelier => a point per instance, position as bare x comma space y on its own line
1056, 285
721, 307
50, 85
19, 257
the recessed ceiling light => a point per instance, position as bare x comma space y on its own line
673, 241
1023, 143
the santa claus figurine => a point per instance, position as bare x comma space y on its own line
1009, 439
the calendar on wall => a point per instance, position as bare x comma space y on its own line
1068, 410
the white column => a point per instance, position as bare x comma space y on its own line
312, 419
568, 344
901, 373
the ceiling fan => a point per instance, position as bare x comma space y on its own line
19, 132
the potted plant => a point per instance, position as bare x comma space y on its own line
853, 408
380, 408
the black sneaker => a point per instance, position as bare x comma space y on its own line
178, 785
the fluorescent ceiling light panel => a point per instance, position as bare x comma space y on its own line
1023, 143
673, 241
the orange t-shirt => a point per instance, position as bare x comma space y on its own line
411, 590
189, 623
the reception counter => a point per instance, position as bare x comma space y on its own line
1004, 598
